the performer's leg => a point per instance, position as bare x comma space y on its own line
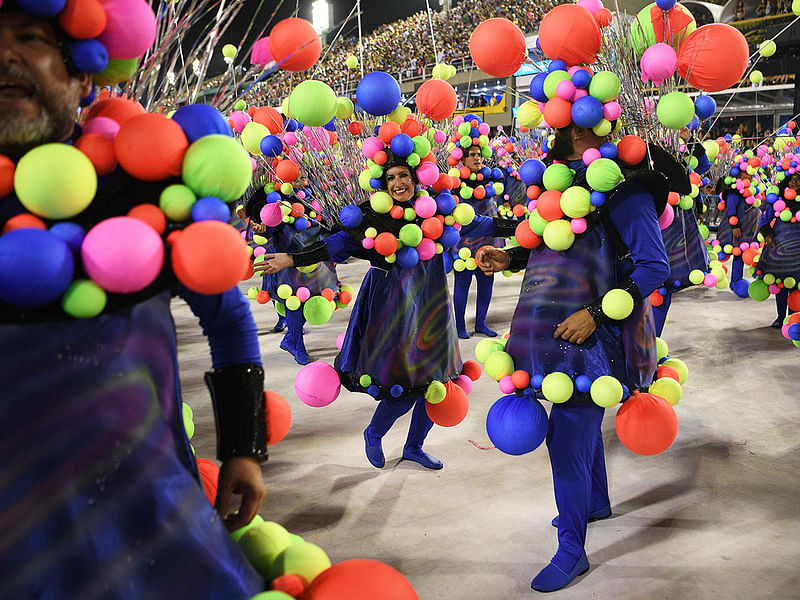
485, 283
420, 426
737, 269
461, 280
387, 412
781, 299
294, 322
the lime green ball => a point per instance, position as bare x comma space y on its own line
117, 70
252, 134
617, 304
486, 347
675, 110
229, 51
756, 76
696, 277
280, 309
470, 264
344, 107
464, 213
422, 147
272, 595
789, 282
435, 392
662, 349
313, 103
84, 299
464, 129
465, 192
365, 381
529, 115
604, 86
576, 202
176, 201
603, 175
712, 149
293, 303
381, 202
466, 142
363, 180
758, 290
606, 391
686, 202
558, 235
370, 232
351, 62
667, 388
557, 387
537, 222
55, 181
413, 159
259, 240
399, 114
409, 214
217, 165
375, 171
240, 105
303, 558
769, 278
552, 81
188, 419
284, 291
785, 215
680, 367
459, 265
317, 310
499, 364
557, 176
767, 48
263, 543
464, 253
237, 534
603, 128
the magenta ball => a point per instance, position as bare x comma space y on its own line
439, 137
666, 218
465, 383
427, 173
303, 294
289, 138
579, 93
340, 340
483, 129
612, 110
370, 146
239, 120
130, 28
591, 5
317, 384
271, 215
104, 126
426, 249
590, 155
507, 386
260, 54
122, 254
425, 206
710, 280
368, 243
578, 225
565, 89
259, 251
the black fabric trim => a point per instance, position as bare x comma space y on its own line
519, 258
311, 255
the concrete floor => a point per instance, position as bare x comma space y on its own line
716, 516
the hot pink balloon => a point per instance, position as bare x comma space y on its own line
260, 55
591, 5
658, 63
427, 173
666, 218
104, 126
317, 384
271, 215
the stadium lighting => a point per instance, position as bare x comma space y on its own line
320, 15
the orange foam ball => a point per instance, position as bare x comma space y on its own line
479, 193
385, 243
209, 476
269, 118
464, 172
521, 379
733, 221
83, 19
549, 205
532, 192
396, 212
432, 228
452, 410
387, 131
355, 127
673, 198
345, 297
694, 178
656, 299
667, 371
150, 214
558, 112
290, 583
793, 301
472, 369
99, 150
210, 257
279, 417
262, 297
631, 149
7, 170
151, 147
646, 424
411, 127
287, 171
518, 210
118, 109
526, 237
328, 294
23, 221
380, 157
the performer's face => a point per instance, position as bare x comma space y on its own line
400, 184
38, 97
794, 182
473, 159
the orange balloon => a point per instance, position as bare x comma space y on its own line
452, 410
387, 131
279, 417
150, 214
269, 118
385, 243
479, 193
151, 147
209, 257
667, 371
558, 112
472, 369
83, 19
294, 44
713, 57
498, 47
287, 171
526, 237
646, 424
360, 579
631, 149
209, 476
411, 127
432, 228
355, 127
793, 301
570, 32
99, 150
7, 169
118, 109
436, 99
23, 221
549, 205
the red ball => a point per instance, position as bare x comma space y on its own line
385, 244
209, 476
570, 32
667, 371
436, 99
151, 147
793, 301
23, 221
83, 19
703, 52
7, 169
360, 579
269, 118
656, 299
287, 171
452, 410
411, 126
518, 210
694, 178
526, 237
150, 214
558, 112
355, 127
210, 257
99, 150
733, 221
263, 296
532, 192
291, 584
380, 157
631, 150
294, 44
498, 47
396, 212
472, 369
279, 417
603, 17
549, 205
673, 198
387, 131
646, 424
432, 228
345, 297
479, 193
521, 379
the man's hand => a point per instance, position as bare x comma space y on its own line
273, 263
492, 260
576, 328
240, 475
737, 234
258, 227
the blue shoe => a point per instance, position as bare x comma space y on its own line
286, 344
553, 577
485, 330
418, 455
301, 357
593, 516
374, 450
461, 330
280, 325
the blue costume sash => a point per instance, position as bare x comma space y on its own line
686, 249
784, 259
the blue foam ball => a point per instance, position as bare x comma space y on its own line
449, 237
331, 125
583, 384
536, 87
291, 125
587, 112
210, 208
36, 267
665, 4
536, 381
274, 197
734, 171
396, 391
407, 257
89, 56
531, 171
740, 288
517, 424
71, 233
199, 120
373, 390
489, 191
378, 93
42, 8
351, 216
556, 65
694, 123
445, 203
472, 117
581, 78
794, 331
271, 145
402, 145
609, 150
497, 174
301, 223
87, 100
486, 172
375, 183
662, 291
597, 198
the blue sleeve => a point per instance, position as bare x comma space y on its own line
703, 164
765, 217
481, 226
732, 201
228, 324
341, 246
634, 216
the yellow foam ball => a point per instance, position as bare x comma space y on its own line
606, 391
284, 291
667, 388
617, 304
499, 364
662, 349
557, 387
680, 367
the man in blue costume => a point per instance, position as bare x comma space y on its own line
99, 495
560, 325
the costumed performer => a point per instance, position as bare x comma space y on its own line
739, 224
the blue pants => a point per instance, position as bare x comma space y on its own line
781, 300
660, 313
389, 411
575, 445
462, 280
737, 269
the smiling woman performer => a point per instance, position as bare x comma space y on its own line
401, 341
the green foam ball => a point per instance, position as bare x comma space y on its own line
499, 364
176, 201
237, 534
552, 80
662, 349
767, 48
344, 107
675, 110
317, 310
576, 202
303, 558
617, 304
363, 180
558, 176
351, 62
604, 86
365, 381
603, 175
117, 70
272, 595
558, 235
606, 391
758, 290
485, 347
313, 103
557, 387
422, 145
293, 303
712, 149
410, 235
435, 392
252, 134
84, 299
667, 388
696, 277
55, 181
464, 213
263, 543
529, 115
229, 51
680, 367
381, 202
537, 222
284, 291
217, 165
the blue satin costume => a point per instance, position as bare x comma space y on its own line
749, 216
782, 260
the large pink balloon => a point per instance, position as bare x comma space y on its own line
130, 28
658, 63
260, 54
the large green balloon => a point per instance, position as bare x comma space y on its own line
318, 310
217, 165
557, 176
675, 110
604, 86
603, 175
313, 103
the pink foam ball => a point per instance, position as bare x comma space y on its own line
507, 386
710, 280
458, 120
750, 200
612, 110
464, 382
457, 226
289, 138
370, 146
368, 243
531, 205
658, 63
779, 205
260, 54
253, 164
315, 205
301, 195
579, 93
104, 126
427, 173
457, 153
591, 5
130, 28
506, 197
754, 245
501, 152
439, 136
303, 294
666, 218
426, 249
271, 215
484, 129
744, 245
259, 251
317, 384
590, 155
578, 225
774, 289
340, 340
797, 215
541, 107
122, 254
565, 89
425, 206
239, 120
785, 330
572, 70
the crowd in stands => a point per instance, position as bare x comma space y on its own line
404, 48
756, 9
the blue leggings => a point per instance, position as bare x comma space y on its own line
389, 411
460, 291
781, 300
575, 445
737, 269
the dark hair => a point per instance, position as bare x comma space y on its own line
562, 146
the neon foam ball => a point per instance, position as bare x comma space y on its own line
604, 86
662, 349
517, 424
303, 558
767, 48
465, 383
351, 216
557, 176
410, 234
280, 417
209, 477
646, 424
576, 202
318, 310
667, 388
464, 213
658, 63
360, 579
485, 347
617, 304
122, 254
450, 411
284, 291
25, 278
263, 543
427, 173
675, 110
151, 147
210, 209
606, 391
274, 595
317, 384
483, 45
758, 290
436, 392
55, 181
210, 257
499, 364
252, 134
313, 103
218, 166
271, 215
531, 171
378, 93
603, 174
84, 299
287, 171
176, 201
570, 33
680, 367
71, 233
294, 45
381, 202
700, 54
557, 387
198, 120
529, 114
402, 145
558, 235
696, 276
